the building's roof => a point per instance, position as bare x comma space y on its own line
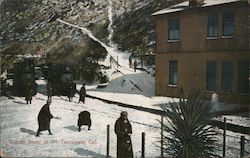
185, 5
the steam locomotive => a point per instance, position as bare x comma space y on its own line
24, 75
59, 75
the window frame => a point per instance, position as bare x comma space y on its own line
174, 25
173, 73
213, 25
227, 22
226, 74
211, 75
239, 76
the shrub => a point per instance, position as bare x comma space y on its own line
187, 133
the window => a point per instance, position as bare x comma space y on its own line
172, 72
212, 23
243, 82
173, 29
226, 76
211, 76
228, 24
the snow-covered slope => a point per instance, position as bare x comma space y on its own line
131, 83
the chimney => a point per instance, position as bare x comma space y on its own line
195, 2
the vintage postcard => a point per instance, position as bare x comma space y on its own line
125, 78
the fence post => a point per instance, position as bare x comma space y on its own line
143, 145
161, 136
224, 137
107, 141
242, 146
117, 62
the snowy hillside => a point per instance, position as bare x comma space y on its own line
32, 25
132, 83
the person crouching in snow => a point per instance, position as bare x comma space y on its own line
84, 119
44, 118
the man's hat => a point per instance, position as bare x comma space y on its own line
124, 113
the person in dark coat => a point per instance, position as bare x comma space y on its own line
130, 61
135, 65
82, 94
49, 91
84, 119
28, 93
123, 131
44, 118
71, 92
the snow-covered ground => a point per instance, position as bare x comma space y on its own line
19, 121
19, 125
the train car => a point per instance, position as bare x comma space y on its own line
24, 75
61, 79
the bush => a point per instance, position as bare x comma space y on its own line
187, 131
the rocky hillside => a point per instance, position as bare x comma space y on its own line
31, 27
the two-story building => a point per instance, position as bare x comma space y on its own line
204, 44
